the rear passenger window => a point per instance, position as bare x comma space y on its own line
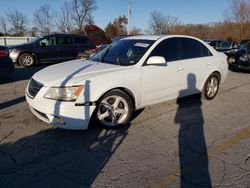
190, 48
65, 40
205, 50
168, 48
81, 40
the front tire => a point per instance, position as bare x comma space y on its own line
26, 60
114, 110
211, 86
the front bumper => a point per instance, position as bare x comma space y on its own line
14, 56
60, 114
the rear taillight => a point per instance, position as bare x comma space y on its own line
230, 60
4, 53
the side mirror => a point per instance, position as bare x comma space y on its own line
156, 60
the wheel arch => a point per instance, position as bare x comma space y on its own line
126, 91
203, 91
201, 85
27, 52
217, 73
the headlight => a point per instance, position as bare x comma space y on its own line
64, 93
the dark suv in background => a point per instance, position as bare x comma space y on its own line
223, 45
50, 49
240, 60
57, 48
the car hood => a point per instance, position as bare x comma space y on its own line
18, 46
73, 72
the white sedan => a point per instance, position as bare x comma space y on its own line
130, 74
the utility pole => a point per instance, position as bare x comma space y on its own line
129, 14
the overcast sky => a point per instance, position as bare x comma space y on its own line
188, 11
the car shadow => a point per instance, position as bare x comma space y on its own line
22, 73
238, 70
193, 155
12, 102
61, 158
58, 158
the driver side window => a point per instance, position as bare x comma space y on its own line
169, 49
48, 41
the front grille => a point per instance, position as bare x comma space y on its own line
34, 88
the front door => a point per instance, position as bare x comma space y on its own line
163, 82
47, 50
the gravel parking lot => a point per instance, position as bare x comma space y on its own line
204, 142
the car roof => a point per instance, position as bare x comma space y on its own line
155, 37
144, 37
63, 34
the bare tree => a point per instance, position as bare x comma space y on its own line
17, 22
89, 19
82, 10
33, 31
3, 25
64, 18
43, 19
135, 31
239, 13
161, 24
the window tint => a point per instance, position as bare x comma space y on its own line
190, 48
81, 40
205, 50
48, 41
62, 40
225, 45
168, 48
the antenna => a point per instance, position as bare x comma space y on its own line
129, 14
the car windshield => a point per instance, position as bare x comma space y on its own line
224, 45
123, 52
243, 47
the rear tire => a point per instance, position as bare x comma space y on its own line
114, 110
211, 86
26, 60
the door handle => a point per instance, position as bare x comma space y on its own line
180, 69
208, 64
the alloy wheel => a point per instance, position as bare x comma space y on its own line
212, 87
113, 110
27, 60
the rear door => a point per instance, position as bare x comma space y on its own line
83, 46
67, 49
196, 60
